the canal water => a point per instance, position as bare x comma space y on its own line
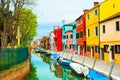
47, 69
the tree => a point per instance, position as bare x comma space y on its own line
28, 23
8, 29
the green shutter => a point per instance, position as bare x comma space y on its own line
88, 32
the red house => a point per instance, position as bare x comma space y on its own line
81, 33
58, 39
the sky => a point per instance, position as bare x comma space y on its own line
50, 13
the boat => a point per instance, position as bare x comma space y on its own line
36, 50
93, 75
79, 69
64, 62
55, 56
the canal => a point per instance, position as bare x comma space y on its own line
48, 69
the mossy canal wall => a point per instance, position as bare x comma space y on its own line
17, 72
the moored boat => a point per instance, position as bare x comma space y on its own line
55, 56
64, 62
79, 69
93, 75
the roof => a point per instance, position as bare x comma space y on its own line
70, 24
111, 17
52, 32
92, 9
44, 38
79, 17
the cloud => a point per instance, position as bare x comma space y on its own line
52, 12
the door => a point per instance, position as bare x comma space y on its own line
92, 51
113, 52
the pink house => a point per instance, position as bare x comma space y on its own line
69, 47
52, 43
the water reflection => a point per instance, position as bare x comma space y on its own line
53, 70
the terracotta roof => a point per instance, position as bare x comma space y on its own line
52, 32
44, 38
78, 17
111, 17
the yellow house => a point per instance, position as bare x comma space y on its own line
110, 30
92, 31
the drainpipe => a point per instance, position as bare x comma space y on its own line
99, 27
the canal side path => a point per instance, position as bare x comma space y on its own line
109, 69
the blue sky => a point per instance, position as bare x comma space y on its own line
51, 13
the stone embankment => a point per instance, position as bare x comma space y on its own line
109, 69
17, 72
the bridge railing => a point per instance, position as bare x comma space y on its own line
12, 56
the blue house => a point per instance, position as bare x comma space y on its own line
65, 28
74, 36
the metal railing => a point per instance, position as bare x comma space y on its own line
10, 57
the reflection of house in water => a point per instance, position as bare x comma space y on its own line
58, 71
56, 68
46, 58
70, 75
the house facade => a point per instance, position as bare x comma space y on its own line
74, 37
110, 30
65, 28
58, 39
52, 41
81, 34
45, 42
69, 46
92, 32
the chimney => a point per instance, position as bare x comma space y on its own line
63, 22
96, 3
85, 10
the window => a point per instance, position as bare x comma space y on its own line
71, 36
65, 46
117, 26
70, 46
66, 36
117, 49
77, 35
88, 17
96, 12
88, 48
81, 34
97, 49
88, 32
74, 27
103, 28
96, 31
105, 48
76, 47
81, 47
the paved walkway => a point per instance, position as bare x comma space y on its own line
108, 69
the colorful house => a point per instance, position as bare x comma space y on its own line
81, 33
52, 41
110, 30
69, 41
58, 39
92, 31
45, 42
74, 37
65, 28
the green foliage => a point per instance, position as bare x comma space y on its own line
32, 75
28, 25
